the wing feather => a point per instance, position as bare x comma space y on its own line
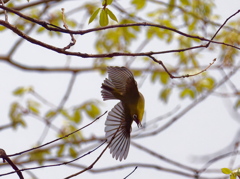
116, 127
107, 88
119, 77
120, 82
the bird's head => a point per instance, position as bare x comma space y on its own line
137, 114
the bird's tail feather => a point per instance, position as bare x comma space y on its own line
107, 90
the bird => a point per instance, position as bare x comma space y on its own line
121, 85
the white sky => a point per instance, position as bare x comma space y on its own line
204, 130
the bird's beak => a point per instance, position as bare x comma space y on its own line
139, 125
135, 118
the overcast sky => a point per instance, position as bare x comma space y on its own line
210, 125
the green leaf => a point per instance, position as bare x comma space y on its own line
186, 18
104, 2
72, 152
33, 109
192, 25
137, 72
33, 106
185, 2
2, 28
108, 2
71, 23
19, 91
41, 29
236, 172
103, 21
187, 92
164, 77
226, 171
60, 150
94, 15
139, 4
20, 26
206, 83
77, 116
154, 76
39, 155
16, 116
92, 110
164, 95
22, 90
50, 114
233, 177
22, 122
65, 114
171, 5
111, 15
150, 33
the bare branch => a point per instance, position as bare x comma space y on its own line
19, 153
92, 165
81, 32
4, 156
5, 12
109, 55
131, 172
222, 26
54, 165
189, 107
161, 157
66, 26
183, 76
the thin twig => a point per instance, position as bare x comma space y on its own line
42, 99
81, 32
19, 153
131, 172
212, 161
69, 89
66, 27
4, 156
234, 155
5, 11
182, 76
55, 165
60, 106
92, 165
109, 55
80, 69
222, 26
189, 107
161, 157
27, 31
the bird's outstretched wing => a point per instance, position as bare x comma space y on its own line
117, 127
115, 86
119, 77
108, 90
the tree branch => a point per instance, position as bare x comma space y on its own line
183, 76
4, 156
34, 148
189, 107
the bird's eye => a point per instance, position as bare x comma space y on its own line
134, 116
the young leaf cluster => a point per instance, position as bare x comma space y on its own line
105, 14
232, 174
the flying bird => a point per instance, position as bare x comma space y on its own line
121, 85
